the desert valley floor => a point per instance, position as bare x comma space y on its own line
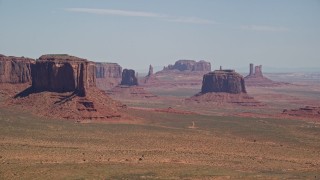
169, 137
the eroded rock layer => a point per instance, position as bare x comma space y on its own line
108, 75
224, 86
227, 81
15, 69
63, 73
189, 65
256, 78
108, 70
129, 78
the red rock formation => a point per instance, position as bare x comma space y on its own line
150, 78
129, 78
189, 65
223, 81
108, 75
63, 73
108, 70
224, 86
150, 72
63, 86
15, 69
256, 78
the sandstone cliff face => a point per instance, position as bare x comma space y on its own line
190, 65
63, 73
108, 75
129, 77
108, 70
15, 69
227, 81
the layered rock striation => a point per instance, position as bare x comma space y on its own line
63, 73
15, 70
108, 75
189, 65
108, 70
129, 78
64, 86
224, 86
223, 81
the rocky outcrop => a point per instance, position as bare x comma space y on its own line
223, 86
189, 65
129, 78
227, 81
108, 75
63, 73
108, 70
150, 78
64, 86
256, 78
150, 72
15, 70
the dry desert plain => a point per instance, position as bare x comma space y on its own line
168, 137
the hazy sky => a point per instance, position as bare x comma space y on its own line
136, 33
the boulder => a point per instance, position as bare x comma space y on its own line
63, 73
227, 81
15, 70
129, 78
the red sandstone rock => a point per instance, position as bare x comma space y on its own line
256, 78
189, 65
15, 69
63, 86
108, 70
63, 73
108, 75
150, 72
224, 86
129, 78
223, 81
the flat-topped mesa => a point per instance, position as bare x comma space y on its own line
190, 65
108, 70
227, 81
15, 70
63, 73
222, 87
129, 78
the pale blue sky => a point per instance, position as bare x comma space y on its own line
136, 33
